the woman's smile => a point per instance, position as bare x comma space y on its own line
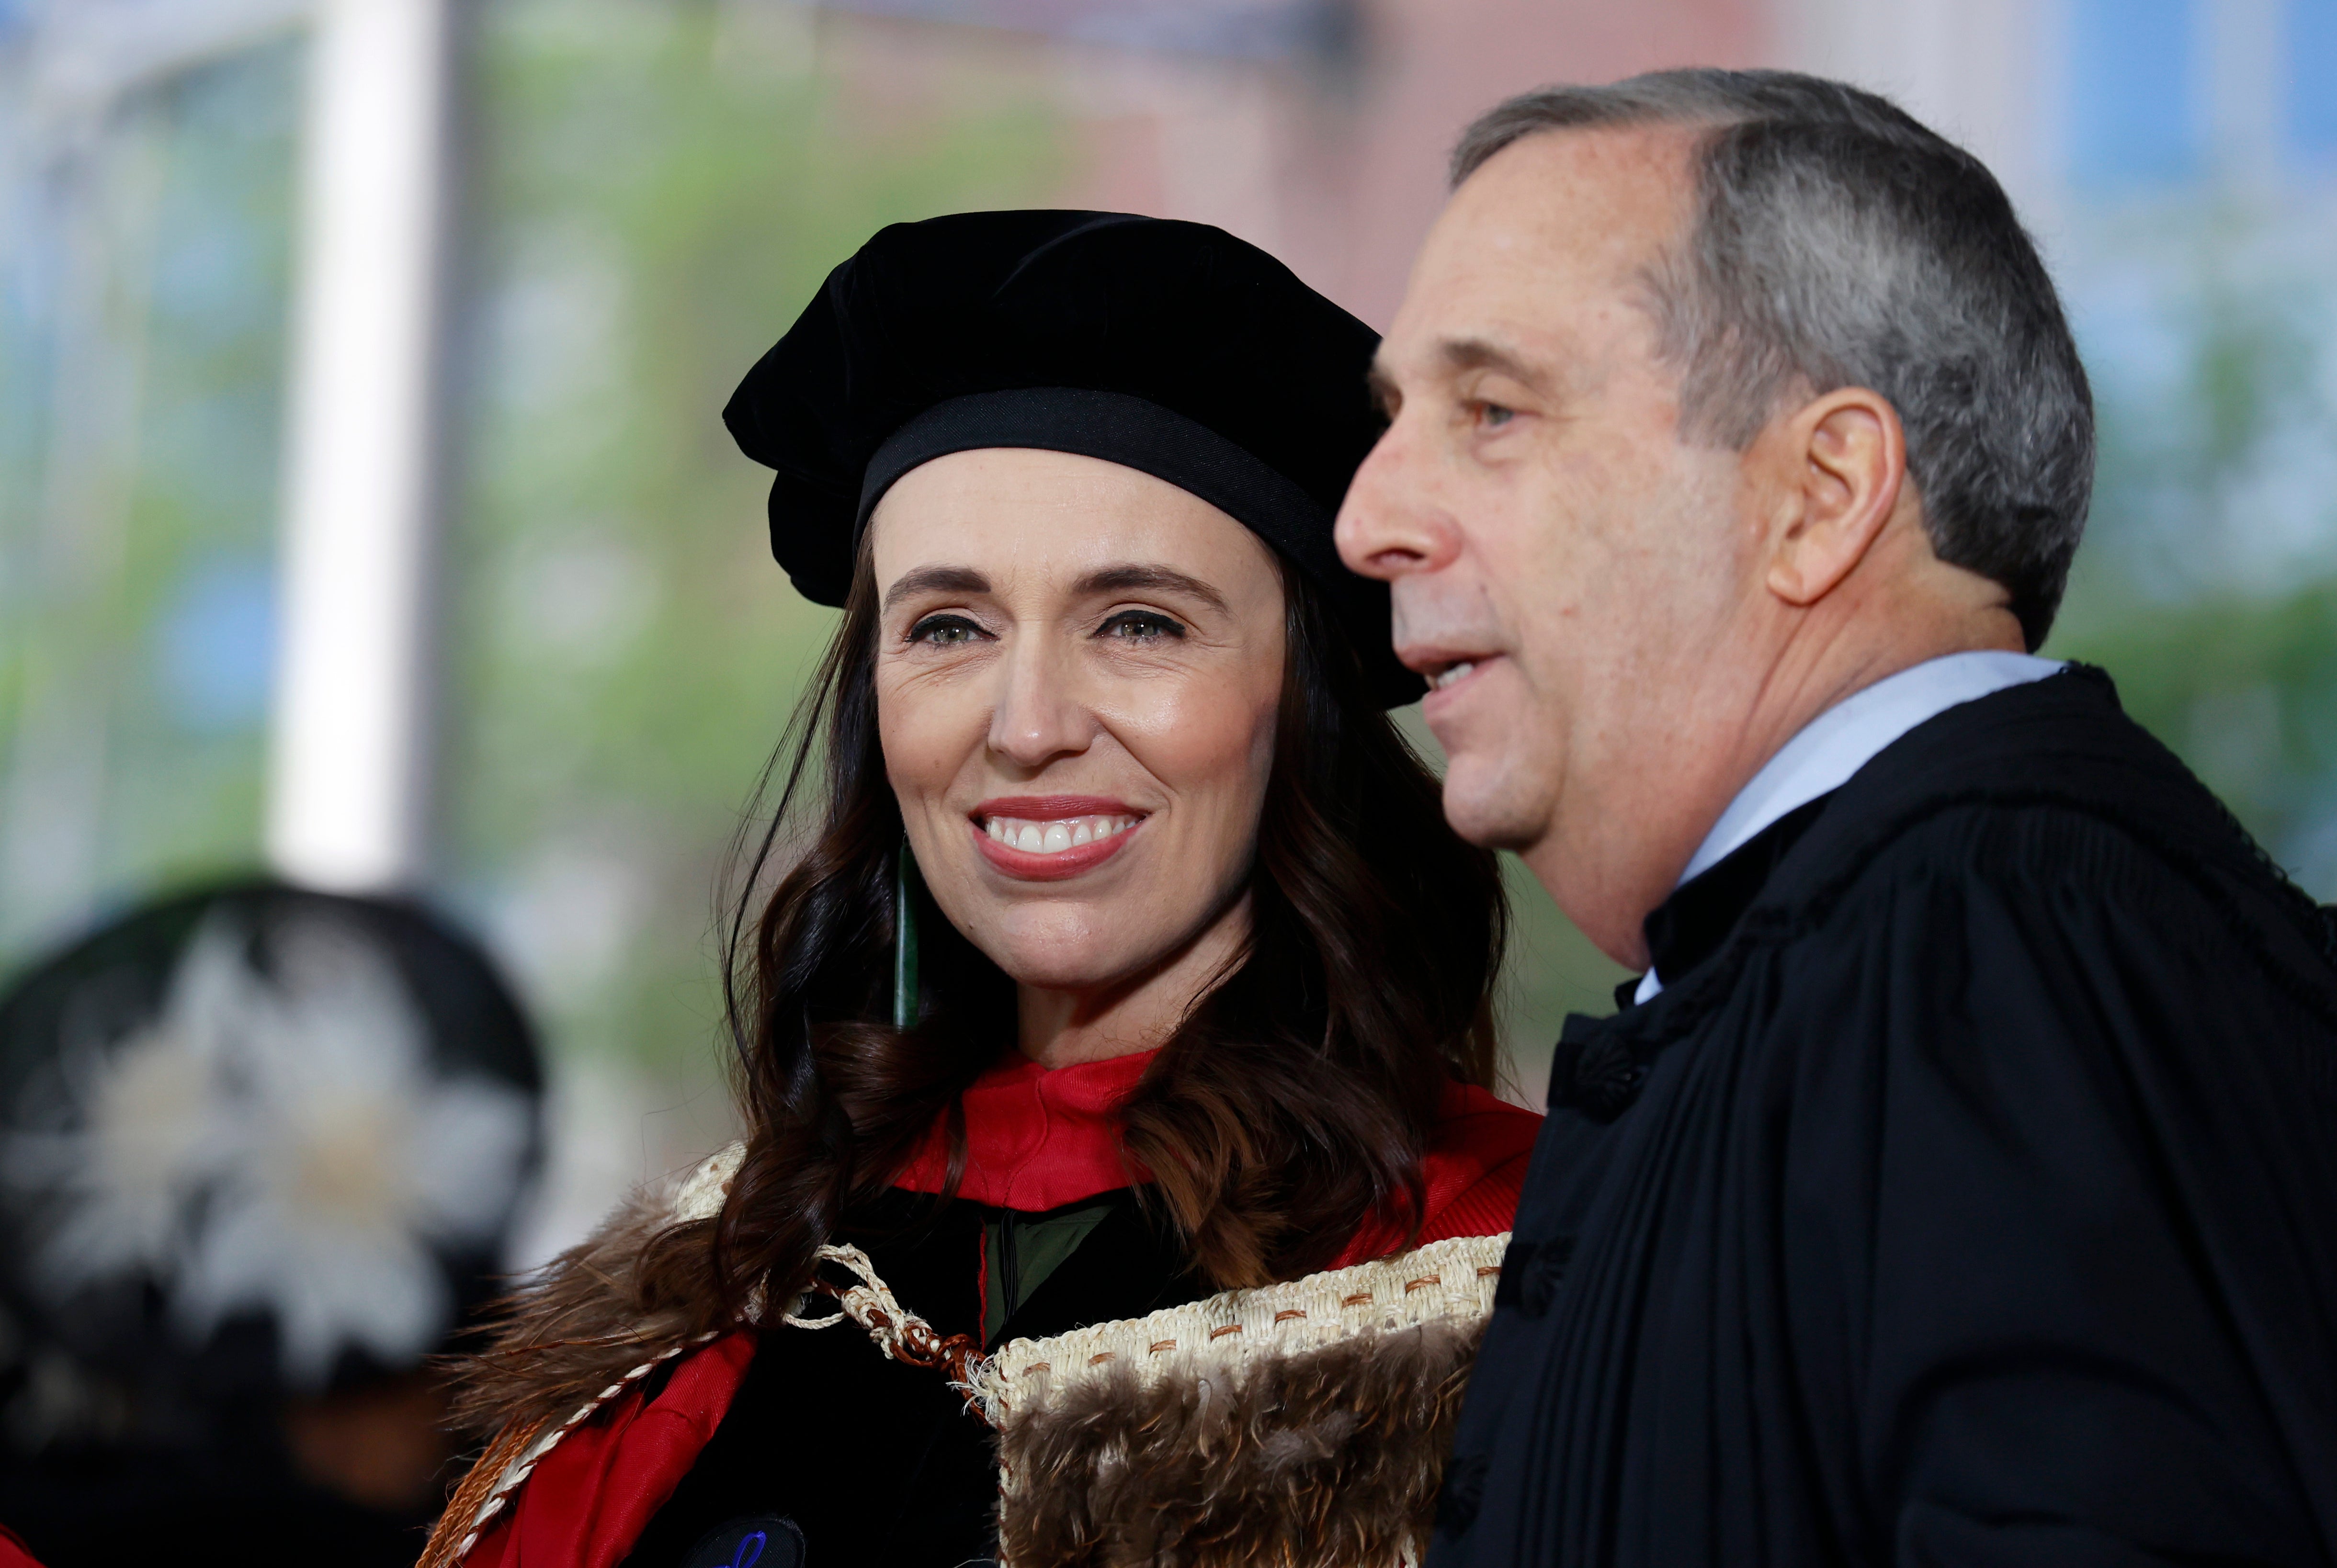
1053, 838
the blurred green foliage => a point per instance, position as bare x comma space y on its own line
2206, 587
141, 350
198, 567
2242, 689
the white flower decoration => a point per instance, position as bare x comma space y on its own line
282, 1144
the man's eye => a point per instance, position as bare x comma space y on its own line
1494, 415
944, 631
1141, 626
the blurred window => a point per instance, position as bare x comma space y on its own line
144, 255
2312, 85
2133, 93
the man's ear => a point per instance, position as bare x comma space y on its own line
1843, 459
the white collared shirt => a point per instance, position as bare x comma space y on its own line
1844, 738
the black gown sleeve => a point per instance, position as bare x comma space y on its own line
2061, 1211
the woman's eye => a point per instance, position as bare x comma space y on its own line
944, 631
1494, 415
1141, 626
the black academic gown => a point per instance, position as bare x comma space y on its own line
1968, 1196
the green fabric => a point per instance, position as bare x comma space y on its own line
1022, 1250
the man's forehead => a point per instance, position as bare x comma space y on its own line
1554, 228
1637, 177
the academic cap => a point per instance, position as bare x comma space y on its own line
1170, 348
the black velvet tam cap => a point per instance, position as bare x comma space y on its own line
1170, 348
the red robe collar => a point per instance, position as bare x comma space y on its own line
1036, 1138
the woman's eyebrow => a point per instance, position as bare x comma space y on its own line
1159, 579
935, 580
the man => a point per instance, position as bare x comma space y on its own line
1959, 1184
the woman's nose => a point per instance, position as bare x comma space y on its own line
1038, 715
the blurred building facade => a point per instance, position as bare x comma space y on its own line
644, 193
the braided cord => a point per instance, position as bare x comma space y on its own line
512, 1457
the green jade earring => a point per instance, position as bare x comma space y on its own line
905, 883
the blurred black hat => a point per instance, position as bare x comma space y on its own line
261, 1150
1170, 348
255, 1140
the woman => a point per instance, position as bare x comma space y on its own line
1124, 977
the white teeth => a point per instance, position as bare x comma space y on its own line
1054, 837
1454, 673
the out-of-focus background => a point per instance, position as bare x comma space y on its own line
365, 512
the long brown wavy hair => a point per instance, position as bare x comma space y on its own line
1292, 1104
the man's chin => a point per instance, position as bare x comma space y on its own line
1483, 809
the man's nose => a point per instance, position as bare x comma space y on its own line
1039, 716
1394, 522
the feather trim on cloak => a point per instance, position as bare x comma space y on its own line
578, 1327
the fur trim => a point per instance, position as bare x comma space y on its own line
566, 1336
1330, 1457
1306, 1422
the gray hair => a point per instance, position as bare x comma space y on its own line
1838, 242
